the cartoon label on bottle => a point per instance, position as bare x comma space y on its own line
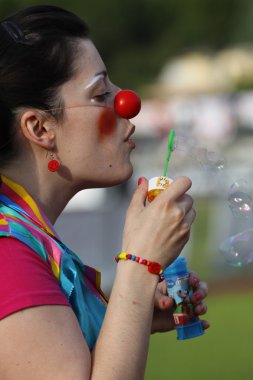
180, 291
159, 183
156, 185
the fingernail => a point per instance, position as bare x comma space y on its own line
198, 297
206, 325
140, 181
195, 281
202, 309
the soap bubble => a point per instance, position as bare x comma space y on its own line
186, 144
239, 199
210, 160
237, 250
240, 185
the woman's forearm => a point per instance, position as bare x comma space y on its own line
122, 347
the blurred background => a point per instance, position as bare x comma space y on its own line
192, 63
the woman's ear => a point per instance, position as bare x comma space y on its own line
38, 129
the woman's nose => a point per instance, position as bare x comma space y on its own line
127, 104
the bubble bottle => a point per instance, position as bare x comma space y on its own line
176, 275
156, 185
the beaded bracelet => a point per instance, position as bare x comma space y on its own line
153, 267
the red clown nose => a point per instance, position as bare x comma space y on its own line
127, 104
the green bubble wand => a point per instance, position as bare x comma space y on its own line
170, 148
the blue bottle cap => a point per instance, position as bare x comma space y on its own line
192, 330
179, 265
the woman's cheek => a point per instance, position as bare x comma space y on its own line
106, 123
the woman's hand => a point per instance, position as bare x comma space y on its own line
163, 312
158, 231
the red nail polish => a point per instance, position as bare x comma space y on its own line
195, 281
140, 181
198, 297
206, 325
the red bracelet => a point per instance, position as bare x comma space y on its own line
153, 267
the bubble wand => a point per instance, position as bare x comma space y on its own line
170, 148
177, 282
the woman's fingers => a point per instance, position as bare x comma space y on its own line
200, 309
177, 189
162, 301
186, 202
205, 324
200, 292
190, 217
139, 197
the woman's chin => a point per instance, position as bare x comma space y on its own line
116, 176
119, 178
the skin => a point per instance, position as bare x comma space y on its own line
53, 346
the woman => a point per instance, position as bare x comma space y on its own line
59, 135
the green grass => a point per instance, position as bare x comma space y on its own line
224, 352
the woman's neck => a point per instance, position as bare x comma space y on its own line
49, 190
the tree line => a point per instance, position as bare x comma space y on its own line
137, 37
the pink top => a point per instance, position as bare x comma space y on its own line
26, 280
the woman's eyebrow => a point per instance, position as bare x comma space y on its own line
96, 78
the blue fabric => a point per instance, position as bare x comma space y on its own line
79, 288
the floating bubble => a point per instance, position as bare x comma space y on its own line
240, 205
240, 184
237, 250
210, 160
239, 199
186, 144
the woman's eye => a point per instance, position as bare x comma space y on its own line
103, 97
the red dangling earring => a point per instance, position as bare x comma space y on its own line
53, 164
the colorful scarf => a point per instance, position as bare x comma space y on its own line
21, 218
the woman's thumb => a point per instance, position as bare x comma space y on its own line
140, 194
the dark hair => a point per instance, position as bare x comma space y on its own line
38, 49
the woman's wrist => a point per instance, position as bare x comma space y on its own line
152, 266
136, 275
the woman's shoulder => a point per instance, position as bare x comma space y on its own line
26, 280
